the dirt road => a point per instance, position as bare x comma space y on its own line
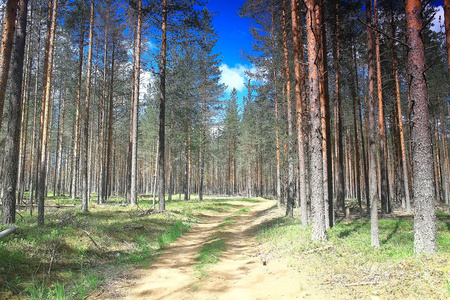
240, 273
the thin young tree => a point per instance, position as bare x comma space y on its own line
85, 184
290, 138
45, 108
399, 118
135, 106
162, 109
381, 132
300, 97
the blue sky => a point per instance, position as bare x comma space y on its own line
234, 39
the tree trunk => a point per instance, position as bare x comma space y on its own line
340, 183
424, 214
6, 49
85, 169
400, 124
314, 43
162, 110
300, 97
62, 112
381, 131
326, 123
290, 139
375, 240
76, 130
135, 106
46, 91
109, 152
15, 111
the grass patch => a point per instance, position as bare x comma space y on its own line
348, 258
171, 235
211, 252
70, 253
208, 255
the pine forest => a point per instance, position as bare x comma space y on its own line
137, 162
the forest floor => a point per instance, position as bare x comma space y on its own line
220, 248
256, 255
242, 272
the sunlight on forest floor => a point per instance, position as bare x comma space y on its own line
349, 267
75, 252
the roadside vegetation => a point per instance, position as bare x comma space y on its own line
75, 252
348, 267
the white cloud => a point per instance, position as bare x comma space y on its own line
438, 19
234, 77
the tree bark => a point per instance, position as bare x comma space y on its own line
300, 99
162, 110
76, 130
85, 169
15, 112
400, 124
423, 188
46, 93
375, 240
381, 131
135, 106
6, 49
317, 199
290, 139
340, 183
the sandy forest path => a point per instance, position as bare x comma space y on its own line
240, 273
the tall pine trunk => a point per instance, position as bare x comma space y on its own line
15, 111
316, 182
85, 169
385, 207
45, 109
135, 106
423, 188
373, 190
290, 138
6, 49
162, 110
300, 97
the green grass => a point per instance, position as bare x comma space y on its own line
209, 255
85, 245
347, 257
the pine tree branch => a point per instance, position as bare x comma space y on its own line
383, 33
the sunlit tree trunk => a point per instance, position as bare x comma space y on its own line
373, 192
6, 49
45, 109
135, 106
15, 111
381, 132
85, 169
424, 214
76, 130
299, 97
162, 110
287, 77
400, 124
339, 169
316, 182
